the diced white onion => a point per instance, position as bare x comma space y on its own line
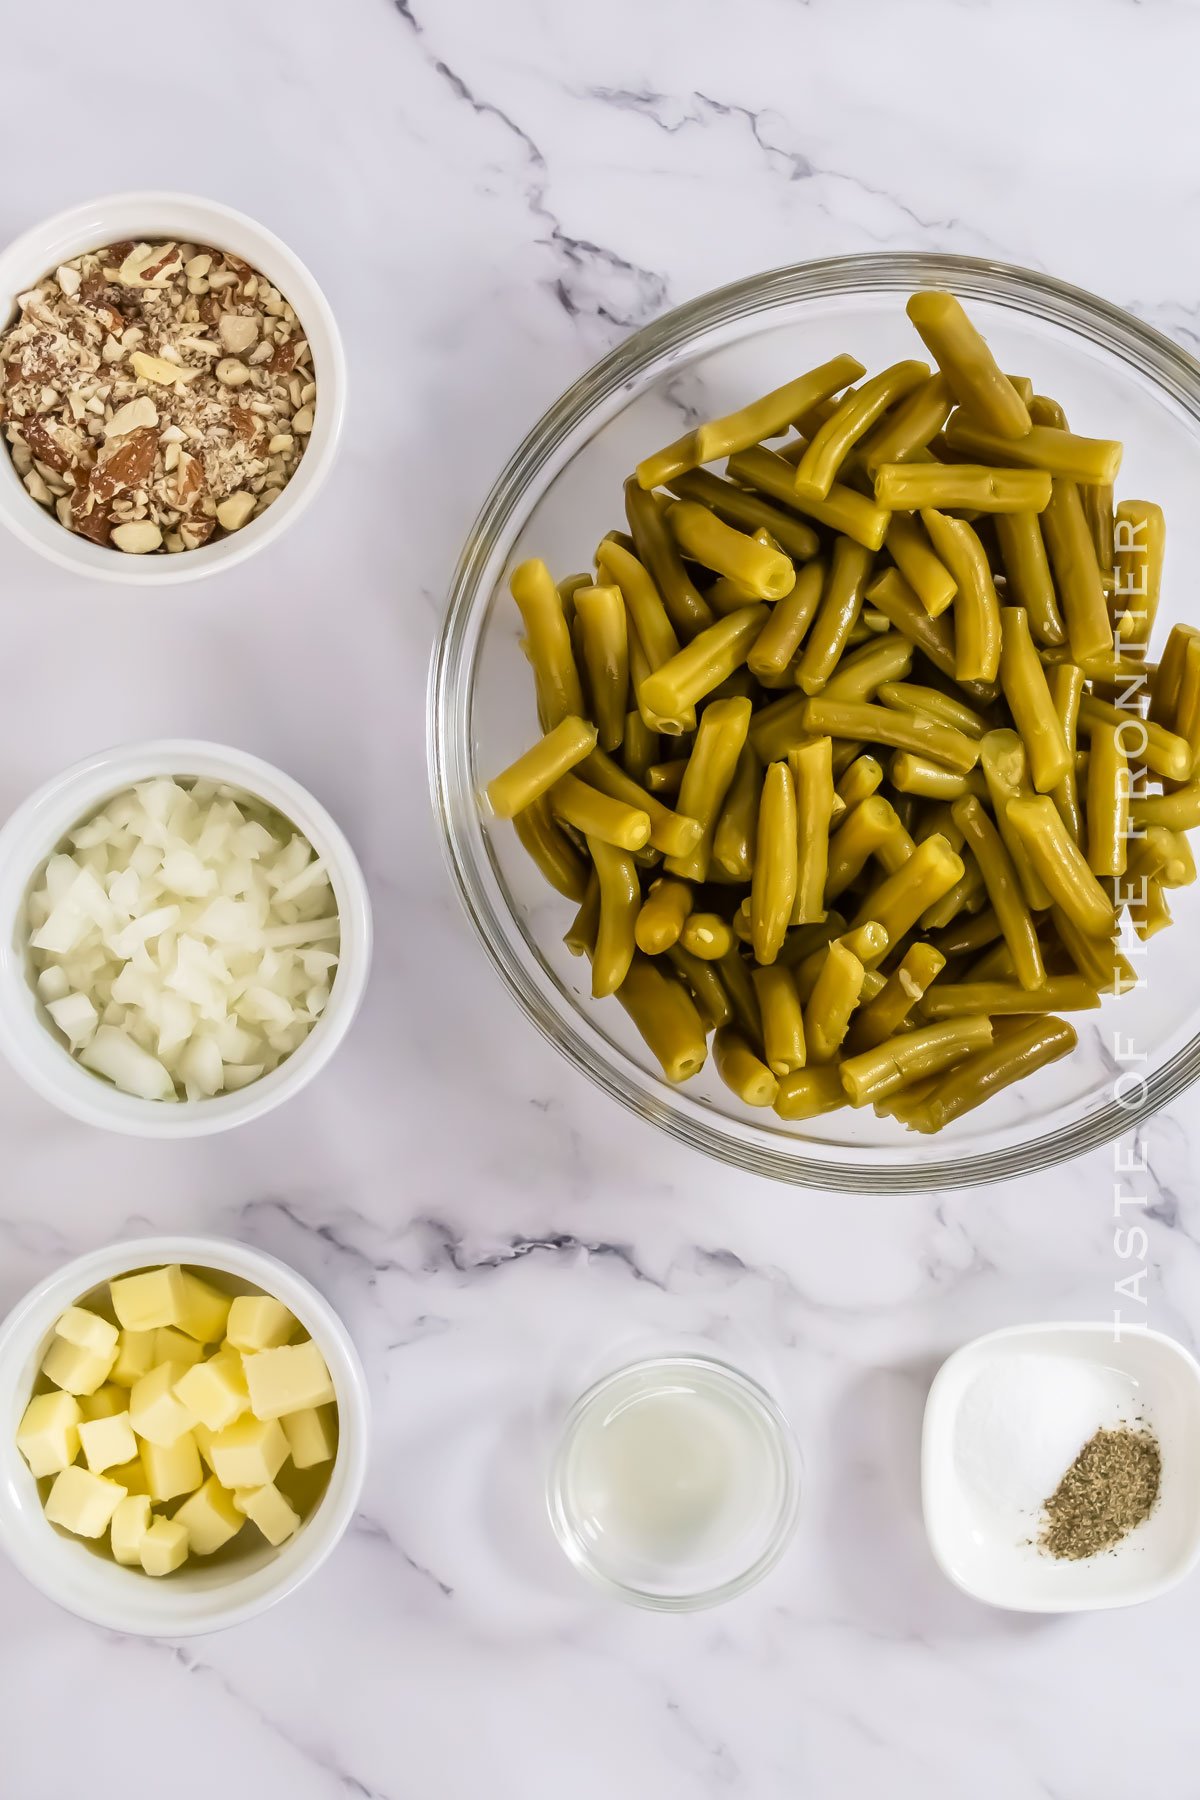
75, 1017
242, 1077
125, 891
113, 1052
184, 942
60, 877
52, 983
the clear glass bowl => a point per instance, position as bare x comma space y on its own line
676, 1483
561, 492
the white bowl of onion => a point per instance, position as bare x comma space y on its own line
185, 937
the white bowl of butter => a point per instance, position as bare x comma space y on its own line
48, 1526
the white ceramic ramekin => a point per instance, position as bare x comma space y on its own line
988, 1548
28, 1038
198, 1597
189, 219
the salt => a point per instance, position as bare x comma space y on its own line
1024, 1419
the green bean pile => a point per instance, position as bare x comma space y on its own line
853, 754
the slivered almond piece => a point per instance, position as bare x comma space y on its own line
137, 538
234, 512
157, 368
132, 416
148, 266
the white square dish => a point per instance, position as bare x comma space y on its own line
986, 1543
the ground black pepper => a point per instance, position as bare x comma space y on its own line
1108, 1490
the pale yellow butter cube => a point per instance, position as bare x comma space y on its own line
171, 1345
130, 1523
164, 1547
211, 1518
204, 1438
48, 1435
287, 1380
82, 1502
311, 1435
107, 1442
259, 1322
249, 1453
135, 1357
77, 1371
215, 1391
267, 1508
87, 1331
131, 1475
172, 1468
144, 1302
105, 1402
154, 1411
203, 1310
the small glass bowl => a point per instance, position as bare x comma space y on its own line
561, 492
725, 1555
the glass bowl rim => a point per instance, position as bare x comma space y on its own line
448, 711
769, 1413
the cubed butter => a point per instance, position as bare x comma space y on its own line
82, 1502
130, 1523
259, 1322
203, 1311
287, 1380
154, 1411
48, 1435
171, 1296
131, 1475
135, 1357
164, 1547
106, 1401
107, 1442
171, 1345
172, 1468
267, 1508
144, 1302
75, 1370
311, 1434
87, 1331
215, 1391
204, 1438
249, 1453
211, 1518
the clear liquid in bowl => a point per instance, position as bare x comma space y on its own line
673, 1479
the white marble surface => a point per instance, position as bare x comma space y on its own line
492, 194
